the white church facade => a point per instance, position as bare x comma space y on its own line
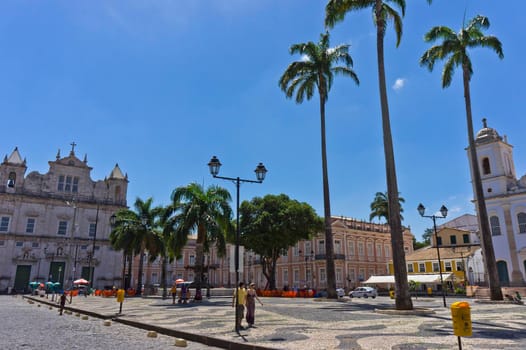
505, 196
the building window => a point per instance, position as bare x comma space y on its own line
361, 274
439, 241
30, 225
465, 238
285, 277
4, 223
370, 249
460, 266
191, 260
322, 275
421, 267
321, 247
435, 267
495, 225
68, 183
338, 275
379, 250
35, 245
521, 218
410, 268
447, 266
92, 230
485, 166
387, 251
337, 246
453, 239
360, 248
83, 247
2, 243
296, 276
62, 228
351, 248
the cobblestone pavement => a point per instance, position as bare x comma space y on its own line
28, 326
297, 323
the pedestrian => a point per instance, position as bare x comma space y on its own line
174, 292
251, 304
239, 304
62, 302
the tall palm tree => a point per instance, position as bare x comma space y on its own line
454, 49
205, 212
122, 237
316, 72
380, 206
137, 226
335, 11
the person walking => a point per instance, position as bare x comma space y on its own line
251, 304
62, 302
239, 304
174, 292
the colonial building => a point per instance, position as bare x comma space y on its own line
54, 227
361, 249
505, 197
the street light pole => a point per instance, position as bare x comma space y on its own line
91, 270
260, 171
443, 210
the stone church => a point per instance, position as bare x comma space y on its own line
55, 227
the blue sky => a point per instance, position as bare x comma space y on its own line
161, 86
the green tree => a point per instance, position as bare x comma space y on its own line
205, 212
454, 49
380, 206
335, 12
137, 226
122, 238
272, 224
428, 233
302, 78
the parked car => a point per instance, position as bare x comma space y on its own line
365, 292
340, 292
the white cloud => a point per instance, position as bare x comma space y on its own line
399, 84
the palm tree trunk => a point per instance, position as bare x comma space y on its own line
199, 256
485, 232
402, 296
163, 276
139, 277
329, 246
130, 260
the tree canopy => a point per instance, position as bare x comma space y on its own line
272, 224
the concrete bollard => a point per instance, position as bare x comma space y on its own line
85, 317
107, 323
152, 334
77, 314
180, 342
38, 305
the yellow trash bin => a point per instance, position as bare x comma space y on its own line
429, 291
392, 294
461, 317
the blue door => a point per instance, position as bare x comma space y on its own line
502, 269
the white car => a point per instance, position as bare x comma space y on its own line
365, 292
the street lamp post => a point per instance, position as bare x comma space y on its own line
260, 171
92, 269
443, 210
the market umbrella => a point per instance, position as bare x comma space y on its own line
80, 281
49, 284
33, 284
41, 285
179, 280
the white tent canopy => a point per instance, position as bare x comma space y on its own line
432, 278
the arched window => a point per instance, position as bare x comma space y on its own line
485, 166
118, 193
495, 225
521, 218
11, 179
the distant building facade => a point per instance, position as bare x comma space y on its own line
54, 227
361, 249
505, 197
